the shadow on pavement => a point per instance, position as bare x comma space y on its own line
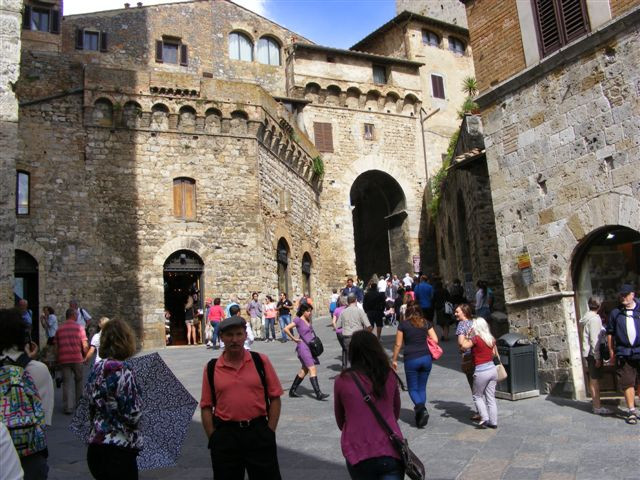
457, 410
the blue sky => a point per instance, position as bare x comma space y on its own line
334, 23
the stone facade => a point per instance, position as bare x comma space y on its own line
562, 145
450, 11
10, 19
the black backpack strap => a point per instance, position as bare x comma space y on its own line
211, 368
257, 360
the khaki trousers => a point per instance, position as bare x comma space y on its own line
71, 389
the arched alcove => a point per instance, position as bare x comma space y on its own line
131, 113
26, 286
187, 118
283, 252
307, 264
333, 95
379, 224
212, 120
159, 117
353, 97
103, 112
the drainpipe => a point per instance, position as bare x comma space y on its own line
424, 143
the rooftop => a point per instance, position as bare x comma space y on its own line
382, 59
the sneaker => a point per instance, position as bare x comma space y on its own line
602, 411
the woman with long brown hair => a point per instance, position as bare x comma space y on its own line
413, 332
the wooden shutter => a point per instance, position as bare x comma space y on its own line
177, 198
559, 22
189, 199
437, 85
574, 19
323, 136
55, 21
548, 31
79, 39
103, 41
184, 55
159, 51
26, 17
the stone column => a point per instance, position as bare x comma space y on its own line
10, 19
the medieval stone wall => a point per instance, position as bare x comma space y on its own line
10, 19
450, 11
563, 155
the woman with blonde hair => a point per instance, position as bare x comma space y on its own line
412, 332
115, 407
485, 377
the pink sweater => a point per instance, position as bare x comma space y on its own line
362, 435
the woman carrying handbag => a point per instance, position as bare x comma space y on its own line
367, 407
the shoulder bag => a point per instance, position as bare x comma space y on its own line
434, 348
413, 466
315, 346
502, 372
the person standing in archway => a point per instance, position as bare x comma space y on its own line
373, 305
189, 319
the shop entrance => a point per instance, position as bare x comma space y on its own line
26, 286
608, 258
379, 225
183, 275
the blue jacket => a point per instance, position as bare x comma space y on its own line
617, 327
424, 294
355, 290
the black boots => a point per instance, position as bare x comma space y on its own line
316, 388
422, 416
294, 386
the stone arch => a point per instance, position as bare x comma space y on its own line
182, 243
38, 253
159, 116
410, 104
241, 45
103, 112
187, 118
306, 271
131, 113
373, 96
283, 262
333, 95
239, 121
311, 91
269, 50
391, 102
212, 120
353, 97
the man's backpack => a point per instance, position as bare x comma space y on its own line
257, 360
21, 409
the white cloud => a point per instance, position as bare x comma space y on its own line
258, 6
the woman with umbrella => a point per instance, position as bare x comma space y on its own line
115, 407
302, 323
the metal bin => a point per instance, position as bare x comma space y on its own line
520, 359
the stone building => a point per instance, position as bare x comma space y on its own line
559, 94
201, 146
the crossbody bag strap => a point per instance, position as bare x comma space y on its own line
211, 368
367, 399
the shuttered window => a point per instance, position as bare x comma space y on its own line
172, 51
559, 22
323, 136
379, 74
90, 40
437, 86
41, 19
184, 198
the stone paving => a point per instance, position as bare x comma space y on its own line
539, 438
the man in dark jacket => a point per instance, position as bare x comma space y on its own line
373, 305
623, 337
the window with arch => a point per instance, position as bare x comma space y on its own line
268, 51
282, 259
240, 47
23, 187
184, 198
306, 274
456, 45
430, 38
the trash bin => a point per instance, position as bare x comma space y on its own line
520, 359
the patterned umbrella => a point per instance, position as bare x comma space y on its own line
167, 409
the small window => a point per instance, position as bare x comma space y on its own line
368, 131
379, 74
323, 136
456, 46
171, 51
437, 86
184, 198
22, 193
430, 38
90, 40
41, 19
240, 47
268, 51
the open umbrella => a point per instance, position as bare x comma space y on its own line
167, 409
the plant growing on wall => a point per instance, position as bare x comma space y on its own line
318, 166
470, 87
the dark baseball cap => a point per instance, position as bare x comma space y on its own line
625, 289
234, 321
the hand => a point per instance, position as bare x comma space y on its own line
297, 340
31, 349
394, 365
612, 356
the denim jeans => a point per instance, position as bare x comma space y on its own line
377, 468
215, 337
417, 371
284, 321
270, 325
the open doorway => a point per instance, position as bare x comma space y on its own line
606, 259
26, 287
379, 225
183, 276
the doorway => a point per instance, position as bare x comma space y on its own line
26, 286
379, 225
183, 275
607, 258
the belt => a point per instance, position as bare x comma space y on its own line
218, 422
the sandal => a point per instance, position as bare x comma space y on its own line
632, 418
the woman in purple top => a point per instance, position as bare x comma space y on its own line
302, 323
365, 445
342, 304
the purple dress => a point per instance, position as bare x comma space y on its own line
302, 349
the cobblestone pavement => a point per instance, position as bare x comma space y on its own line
540, 438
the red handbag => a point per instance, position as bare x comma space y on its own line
434, 348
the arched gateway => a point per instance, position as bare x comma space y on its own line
379, 225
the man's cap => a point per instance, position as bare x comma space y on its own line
626, 289
234, 321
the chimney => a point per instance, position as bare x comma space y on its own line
139, 4
127, 5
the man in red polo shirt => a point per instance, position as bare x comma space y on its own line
241, 416
71, 344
